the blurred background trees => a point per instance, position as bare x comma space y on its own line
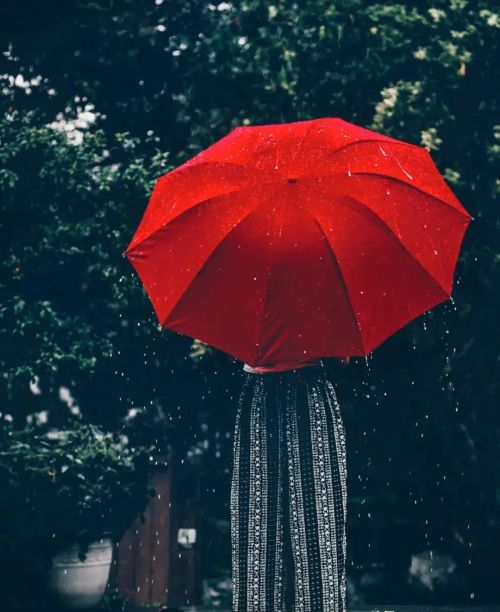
100, 98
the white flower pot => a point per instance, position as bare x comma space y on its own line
81, 584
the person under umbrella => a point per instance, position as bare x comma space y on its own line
283, 245
288, 491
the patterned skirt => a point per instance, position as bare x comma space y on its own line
288, 494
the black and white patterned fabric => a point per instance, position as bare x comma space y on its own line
288, 494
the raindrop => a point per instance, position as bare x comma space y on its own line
407, 173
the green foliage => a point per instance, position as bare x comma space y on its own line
67, 218
62, 487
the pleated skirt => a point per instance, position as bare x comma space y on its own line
288, 494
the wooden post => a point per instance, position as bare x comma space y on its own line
143, 559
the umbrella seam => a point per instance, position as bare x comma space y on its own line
204, 201
367, 211
334, 151
434, 303
185, 168
212, 252
419, 189
342, 279
266, 293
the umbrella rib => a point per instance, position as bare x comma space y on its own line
365, 140
380, 221
401, 182
187, 166
212, 253
342, 280
203, 201
266, 291
367, 174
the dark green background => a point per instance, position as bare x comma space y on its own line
421, 414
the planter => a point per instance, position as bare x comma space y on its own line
76, 584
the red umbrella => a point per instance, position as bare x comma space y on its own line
281, 243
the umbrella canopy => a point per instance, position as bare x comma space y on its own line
289, 242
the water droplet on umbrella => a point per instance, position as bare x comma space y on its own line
405, 171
